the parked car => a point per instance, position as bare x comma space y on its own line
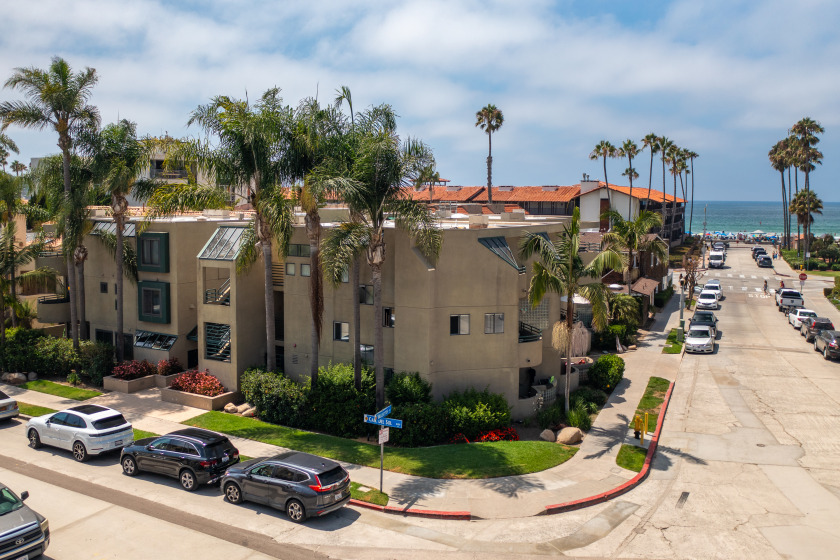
764, 261
811, 327
714, 287
707, 300
8, 407
787, 299
795, 317
758, 251
719, 246
828, 342
699, 338
300, 484
24, 533
194, 456
716, 259
704, 318
87, 429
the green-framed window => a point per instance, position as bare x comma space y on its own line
153, 252
217, 342
153, 302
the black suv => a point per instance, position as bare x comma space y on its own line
828, 342
301, 484
193, 456
811, 327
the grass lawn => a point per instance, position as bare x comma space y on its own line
32, 411
373, 495
474, 460
652, 401
140, 434
795, 262
64, 391
672, 345
631, 457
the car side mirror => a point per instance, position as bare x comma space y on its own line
24, 495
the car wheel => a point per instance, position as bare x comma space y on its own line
34, 439
815, 346
129, 465
233, 493
79, 451
187, 479
295, 511
825, 354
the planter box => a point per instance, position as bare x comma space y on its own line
198, 401
111, 383
163, 381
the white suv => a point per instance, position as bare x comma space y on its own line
87, 429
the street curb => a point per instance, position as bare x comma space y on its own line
627, 486
457, 515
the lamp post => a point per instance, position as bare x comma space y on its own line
681, 330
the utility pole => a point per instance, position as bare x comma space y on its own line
703, 258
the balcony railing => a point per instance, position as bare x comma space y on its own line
169, 173
529, 333
220, 295
54, 298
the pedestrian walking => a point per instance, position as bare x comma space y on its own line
765, 287
781, 284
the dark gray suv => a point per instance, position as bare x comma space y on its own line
300, 484
24, 533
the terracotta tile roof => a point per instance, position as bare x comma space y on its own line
552, 193
645, 286
548, 193
444, 194
642, 193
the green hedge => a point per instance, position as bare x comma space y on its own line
606, 372
335, 405
28, 350
278, 399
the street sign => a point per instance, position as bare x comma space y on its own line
803, 277
384, 412
390, 422
383, 435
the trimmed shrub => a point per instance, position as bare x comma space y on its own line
605, 340
55, 356
606, 372
424, 424
661, 298
835, 267
551, 415
19, 352
97, 360
134, 370
822, 266
278, 399
590, 394
168, 367
579, 418
473, 412
336, 406
198, 383
408, 388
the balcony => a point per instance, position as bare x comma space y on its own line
168, 173
54, 308
218, 296
530, 345
529, 333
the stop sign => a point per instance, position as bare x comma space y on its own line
803, 277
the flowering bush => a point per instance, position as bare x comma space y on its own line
459, 438
168, 367
199, 383
133, 370
499, 434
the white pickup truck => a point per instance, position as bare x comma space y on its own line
787, 299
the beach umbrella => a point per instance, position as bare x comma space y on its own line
758, 232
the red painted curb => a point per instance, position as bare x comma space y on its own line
460, 515
627, 486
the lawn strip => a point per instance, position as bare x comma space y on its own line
651, 401
371, 495
59, 390
672, 345
32, 410
474, 460
631, 457
143, 434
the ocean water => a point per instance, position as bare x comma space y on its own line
746, 217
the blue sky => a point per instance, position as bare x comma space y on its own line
725, 79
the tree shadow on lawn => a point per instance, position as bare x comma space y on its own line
609, 438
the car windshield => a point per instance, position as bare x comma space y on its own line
707, 296
110, 422
8, 501
808, 314
698, 333
702, 316
220, 449
332, 476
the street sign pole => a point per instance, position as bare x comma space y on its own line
381, 464
380, 419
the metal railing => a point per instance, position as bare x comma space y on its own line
529, 333
169, 173
54, 298
220, 295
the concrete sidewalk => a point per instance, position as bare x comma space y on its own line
590, 472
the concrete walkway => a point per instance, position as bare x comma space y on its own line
590, 472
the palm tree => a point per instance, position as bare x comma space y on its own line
779, 163
382, 165
489, 119
57, 99
118, 158
624, 309
650, 141
691, 155
18, 167
664, 145
804, 205
629, 150
245, 153
313, 148
632, 236
806, 131
561, 270
604, 150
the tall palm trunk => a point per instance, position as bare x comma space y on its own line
119, 220
630, 198
673, 212
13, 290
650, 178
785, 212
606, 182
80, 287
376, 256
316, 289
570, 323
664, 202
357, 326
798, 223
691, 212
268, 294
807, 227
489, 168
64, 143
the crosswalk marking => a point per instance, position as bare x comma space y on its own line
729, 276
753, 276
741, 276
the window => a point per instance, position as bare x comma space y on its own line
366, 294
494, 323
388, 317
263, 470
153, 252
345, 276
74, 421
217, 342
290, 269
367, 353
153, 301
305, 269
459, 324
103, 287
341, 331
153, 340
299, 250
104, 336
